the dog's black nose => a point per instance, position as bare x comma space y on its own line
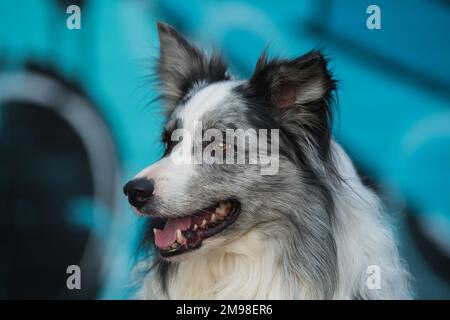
138, 191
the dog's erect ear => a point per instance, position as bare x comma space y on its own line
300, 90
296, 82
181, 65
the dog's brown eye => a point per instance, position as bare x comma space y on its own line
169, 144
224, 146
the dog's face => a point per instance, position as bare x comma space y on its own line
203, 203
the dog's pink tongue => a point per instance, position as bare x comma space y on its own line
165, 238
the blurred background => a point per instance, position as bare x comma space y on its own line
77, 121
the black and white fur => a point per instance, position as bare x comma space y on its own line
308, 232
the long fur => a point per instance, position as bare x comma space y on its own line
309, 232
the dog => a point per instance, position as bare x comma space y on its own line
312, 230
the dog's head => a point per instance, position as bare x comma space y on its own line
205, 204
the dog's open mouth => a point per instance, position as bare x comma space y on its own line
187, 233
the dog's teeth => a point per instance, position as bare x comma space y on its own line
180, 238
154, 231
213, 217
221, 209
195, 228
203, 223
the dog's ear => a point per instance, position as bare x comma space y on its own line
293, 83
181, 65
300, 93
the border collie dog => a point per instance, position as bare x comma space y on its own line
311, 230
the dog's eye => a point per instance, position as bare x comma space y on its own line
223, 146
216, 147
170, 144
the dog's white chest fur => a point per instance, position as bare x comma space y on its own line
245, 269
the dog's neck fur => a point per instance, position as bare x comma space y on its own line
248, 268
